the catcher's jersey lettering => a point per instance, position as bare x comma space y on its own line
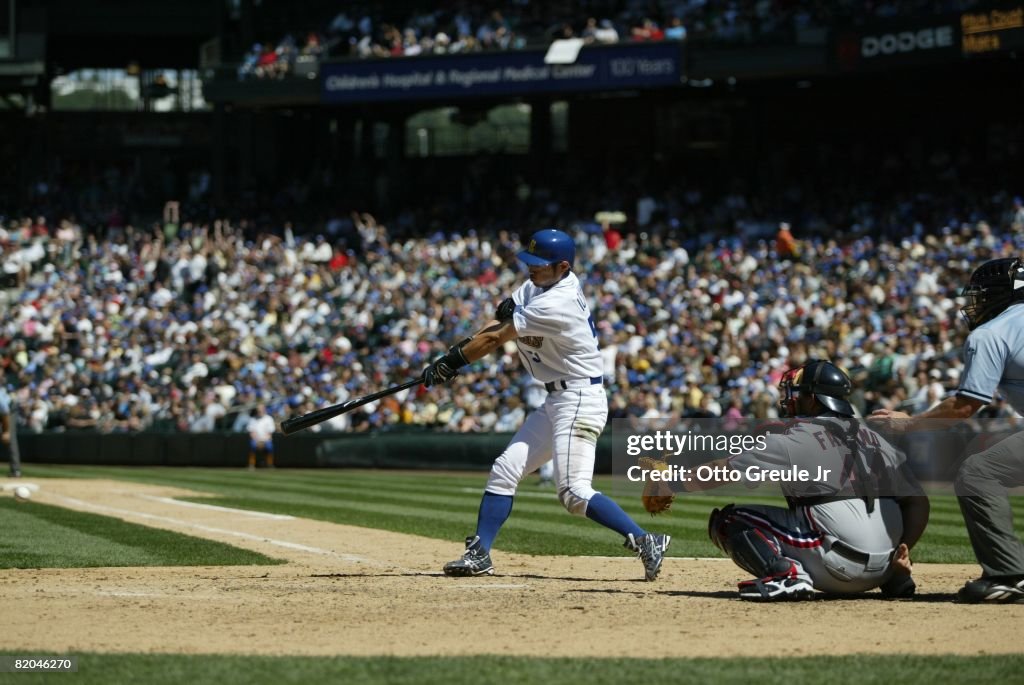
829, 440
559, 319
809, 446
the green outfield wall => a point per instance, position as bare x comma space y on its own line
395, 449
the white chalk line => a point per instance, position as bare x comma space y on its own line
352, 558
11, 485
214, 507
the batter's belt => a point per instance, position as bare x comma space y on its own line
572, 383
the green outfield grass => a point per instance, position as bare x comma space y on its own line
34, 535
105, 669
444, 506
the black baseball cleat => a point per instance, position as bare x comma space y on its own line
475, 561
650, 547
899, 586
992, 591
781, 588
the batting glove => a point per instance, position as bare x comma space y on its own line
437, 373
445, 368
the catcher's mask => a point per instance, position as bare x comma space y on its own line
993, 287
821, 379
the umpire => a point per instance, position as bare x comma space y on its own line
8, 434
994, 360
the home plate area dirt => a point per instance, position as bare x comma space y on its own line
349, 590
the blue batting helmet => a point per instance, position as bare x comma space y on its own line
549, 247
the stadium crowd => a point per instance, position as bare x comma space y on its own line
190, 326
369, 31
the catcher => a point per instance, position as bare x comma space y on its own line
849, 532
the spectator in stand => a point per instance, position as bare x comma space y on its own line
134, 317
647, 30
261, 429
266, 63
606, 32
786, 245
515, 25
675, 30
9, 433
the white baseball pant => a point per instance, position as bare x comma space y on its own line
564, 429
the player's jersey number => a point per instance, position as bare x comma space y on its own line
582, 302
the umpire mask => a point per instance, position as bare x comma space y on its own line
994, 286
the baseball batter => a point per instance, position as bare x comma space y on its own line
994, 360
849, 527
549, 319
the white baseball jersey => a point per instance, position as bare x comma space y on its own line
557, 341
261, 429
557, 337
994, 358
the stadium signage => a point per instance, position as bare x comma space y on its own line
509, 73
896, 44
907, 41
997, 30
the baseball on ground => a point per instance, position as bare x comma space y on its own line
21, 493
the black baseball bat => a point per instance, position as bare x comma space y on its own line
297, 423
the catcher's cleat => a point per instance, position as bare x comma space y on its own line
650, 547
898, 587
787, 587
991, 591
475, 561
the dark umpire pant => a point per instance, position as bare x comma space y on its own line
981, 485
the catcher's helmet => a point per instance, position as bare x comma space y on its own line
994, 286
822, 379
548, 247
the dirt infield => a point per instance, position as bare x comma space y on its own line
356, 591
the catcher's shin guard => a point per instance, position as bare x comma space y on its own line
756, 551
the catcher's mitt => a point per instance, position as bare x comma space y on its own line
658, 495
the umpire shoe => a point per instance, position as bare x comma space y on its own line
786, 587
475, 561
650, 547
993, 590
